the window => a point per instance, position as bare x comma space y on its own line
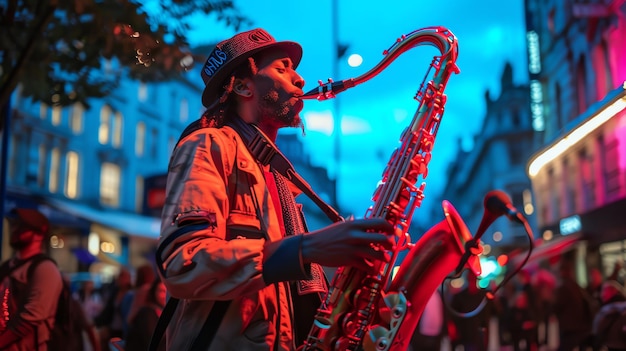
43, 111
610, 168
41, 167
76, 118
184, 110
558, 107
71, 174
53, 178
587, 180
515, 117
517, 150
56, 115
154, 135
140, 139
602, 69
139, 194
142, 93
110, 184
581, 85
105, 125
551, 20
569, 193
117, 129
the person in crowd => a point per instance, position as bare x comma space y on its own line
594, 286
470, 314
609, 324
90, 300
135, 297
523, 323
544, 282
110, 321
530, 327
232, 235
142, 325
85, 337
573, 309
502, 307
431, 327
29, 299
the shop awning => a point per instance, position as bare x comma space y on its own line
544, 250
129, 223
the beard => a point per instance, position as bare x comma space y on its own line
277, 106
18, 244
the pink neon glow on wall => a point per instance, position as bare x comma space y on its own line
620, 135
617, 40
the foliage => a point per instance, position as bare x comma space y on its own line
55, 49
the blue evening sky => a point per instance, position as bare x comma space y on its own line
490, 32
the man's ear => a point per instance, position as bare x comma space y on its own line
243, 87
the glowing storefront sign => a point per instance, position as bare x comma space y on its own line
570, 225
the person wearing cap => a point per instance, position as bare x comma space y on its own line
29, 305
231, 230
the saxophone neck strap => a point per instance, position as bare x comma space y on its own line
264, 150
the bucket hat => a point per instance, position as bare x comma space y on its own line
230, 53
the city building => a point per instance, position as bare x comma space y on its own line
85, 167
496, 162
577, 77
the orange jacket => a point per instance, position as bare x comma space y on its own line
238, 253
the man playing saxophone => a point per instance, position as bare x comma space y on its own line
233, 247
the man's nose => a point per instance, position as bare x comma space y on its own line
298, 81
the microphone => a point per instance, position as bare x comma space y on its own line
498, 202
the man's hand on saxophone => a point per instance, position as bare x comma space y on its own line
356, 243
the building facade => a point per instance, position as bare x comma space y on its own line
496, 162
577, 77
85, 167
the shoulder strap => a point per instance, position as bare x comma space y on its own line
6, 269
213, 321
35, 261
266, 152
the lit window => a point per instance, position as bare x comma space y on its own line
184, 110
105, 125
76, 118
53, 179
43, 110
110, 184
140, 139
117, 129
142, 93
71, 173
56, 115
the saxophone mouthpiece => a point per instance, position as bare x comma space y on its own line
328, 90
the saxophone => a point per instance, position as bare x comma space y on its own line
381, 312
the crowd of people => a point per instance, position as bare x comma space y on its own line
539, 309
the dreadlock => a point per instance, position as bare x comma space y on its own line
215, 115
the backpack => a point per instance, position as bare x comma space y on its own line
66, 334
